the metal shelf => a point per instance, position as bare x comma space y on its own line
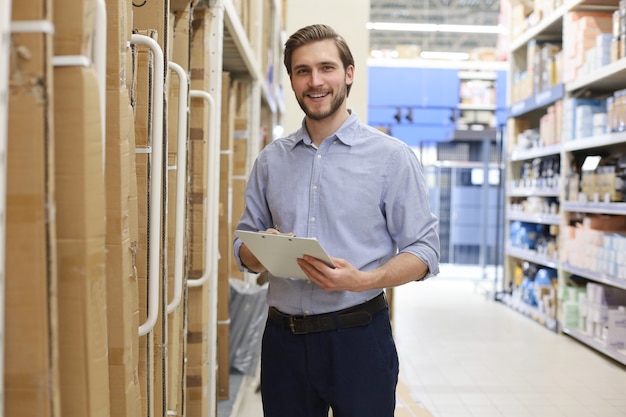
533, 192
550, 26
598, 208
606, 79
526, 154
537, 102
531, 256
551, 219
618, 355
595, 276
595, 142
239, 58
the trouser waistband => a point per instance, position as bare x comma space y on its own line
359, 315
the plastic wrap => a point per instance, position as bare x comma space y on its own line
248, 312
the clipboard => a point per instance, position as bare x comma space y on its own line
278, 253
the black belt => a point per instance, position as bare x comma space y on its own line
359, 315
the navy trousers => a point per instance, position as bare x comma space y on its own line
353, 371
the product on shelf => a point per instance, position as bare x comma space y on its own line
535, 205
616, 111
536, 287
597, 243
580, 33
604, 182
539, 173
602, 315
578, 115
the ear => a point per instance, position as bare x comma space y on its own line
350, 75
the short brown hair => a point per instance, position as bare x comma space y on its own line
314, 33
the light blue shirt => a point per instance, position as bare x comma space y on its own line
362, 194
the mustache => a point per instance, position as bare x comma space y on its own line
316, 91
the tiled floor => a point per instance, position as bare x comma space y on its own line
464, 355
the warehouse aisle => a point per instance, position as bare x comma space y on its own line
464, 355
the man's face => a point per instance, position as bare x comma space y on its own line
319, 80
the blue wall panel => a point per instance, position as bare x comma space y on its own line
420, 87
432, 93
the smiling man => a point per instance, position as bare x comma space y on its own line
327, 343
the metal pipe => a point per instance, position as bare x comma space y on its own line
5, 48
211, 214
181, 185
156, 173
100, 62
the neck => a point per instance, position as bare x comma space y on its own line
321, 129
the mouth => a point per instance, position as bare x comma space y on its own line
317, 96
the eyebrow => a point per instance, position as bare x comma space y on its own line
320, 64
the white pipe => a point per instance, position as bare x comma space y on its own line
156, 172
211, 239
71, 61
32, 26
181, 185
5, 47
100, 62
211, 222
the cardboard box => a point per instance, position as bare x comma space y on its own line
74, 24
180, 22
199, 366
121, 219
80, 211
139, 90
31, 369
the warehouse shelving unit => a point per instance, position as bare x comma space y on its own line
573, 209
244, 46
99, 263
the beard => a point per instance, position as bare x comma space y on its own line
335, 105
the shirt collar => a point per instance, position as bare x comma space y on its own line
345, 133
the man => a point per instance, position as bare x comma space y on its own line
362, 194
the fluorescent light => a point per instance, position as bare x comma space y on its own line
455, 56
431, 27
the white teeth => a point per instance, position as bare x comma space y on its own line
316, 95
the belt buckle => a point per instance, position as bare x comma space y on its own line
295, 329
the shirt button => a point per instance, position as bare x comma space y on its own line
315, 187
312, 219
319, 156
307, 312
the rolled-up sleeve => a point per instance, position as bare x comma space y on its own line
411, 222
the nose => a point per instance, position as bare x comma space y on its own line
316, 78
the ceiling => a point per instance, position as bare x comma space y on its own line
462, 12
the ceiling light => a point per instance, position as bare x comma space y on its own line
454, 56
431, 27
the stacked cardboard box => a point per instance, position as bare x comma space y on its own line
596, 245
180, 26
580, 33
77, 207
121, 218
198, 365
31, 373
79, 185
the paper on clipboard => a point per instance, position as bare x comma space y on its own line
278, 253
